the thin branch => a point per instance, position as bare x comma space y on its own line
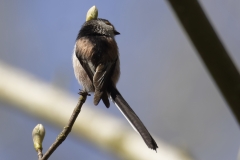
211, 50
39, 151
67, 129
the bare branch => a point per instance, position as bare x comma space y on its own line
39, 151
67, 129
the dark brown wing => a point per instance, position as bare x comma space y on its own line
100, 93
101, 78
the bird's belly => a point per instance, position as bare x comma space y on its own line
81, 75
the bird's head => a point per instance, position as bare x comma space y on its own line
98, 27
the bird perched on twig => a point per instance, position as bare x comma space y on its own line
97, 69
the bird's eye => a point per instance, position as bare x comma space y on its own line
108, 23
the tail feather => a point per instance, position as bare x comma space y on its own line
105, 99
132, 118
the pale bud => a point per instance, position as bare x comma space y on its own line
92, 13
38, 134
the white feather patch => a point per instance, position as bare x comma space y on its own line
126, 117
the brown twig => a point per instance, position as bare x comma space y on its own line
67, 129
39, 151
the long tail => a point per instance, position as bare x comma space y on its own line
132, 118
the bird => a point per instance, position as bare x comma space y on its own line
97, 68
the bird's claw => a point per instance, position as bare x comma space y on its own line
83, 93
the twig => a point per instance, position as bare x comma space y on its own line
67, 129
39, 151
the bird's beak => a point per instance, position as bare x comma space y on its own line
116, 32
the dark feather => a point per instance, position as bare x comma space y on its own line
100, 80
105, 99
132, 118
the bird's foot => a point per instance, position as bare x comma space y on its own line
83, 93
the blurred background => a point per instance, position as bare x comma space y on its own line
162, 77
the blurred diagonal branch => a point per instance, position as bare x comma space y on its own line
55, 106
211, 50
